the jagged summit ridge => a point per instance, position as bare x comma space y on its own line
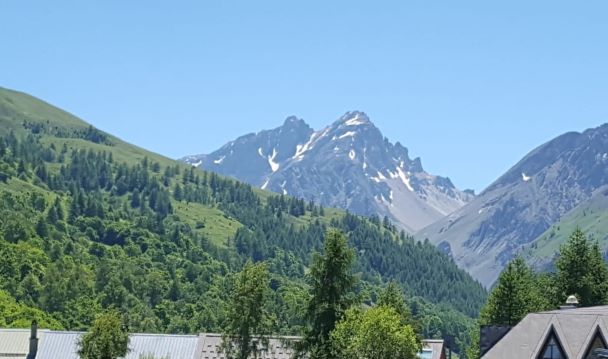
348, 164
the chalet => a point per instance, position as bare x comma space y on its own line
568, 333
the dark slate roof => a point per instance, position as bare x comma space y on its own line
574, 328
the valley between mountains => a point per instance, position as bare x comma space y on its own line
90, 222
530, 210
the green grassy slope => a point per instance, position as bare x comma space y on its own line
125, 238
591, 216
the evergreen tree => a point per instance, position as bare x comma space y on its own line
581, 271
515, 295
331, 294
393, 297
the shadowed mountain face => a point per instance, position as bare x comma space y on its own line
348, 164
522, 204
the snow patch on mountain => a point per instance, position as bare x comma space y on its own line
351, 155
219, 160
355, 121
405, 179
301, 149
273, 165
347, 134
345, 164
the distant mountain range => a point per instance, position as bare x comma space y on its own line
565, 179
530, 210
87, 216
348, 164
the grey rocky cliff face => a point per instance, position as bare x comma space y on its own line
518, 207
348, 165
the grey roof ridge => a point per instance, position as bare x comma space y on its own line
268, 336
130, 334
561, 336
597, 326
544, 337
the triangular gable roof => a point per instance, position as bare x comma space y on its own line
599, 327
552, 332
522, 341
575, 330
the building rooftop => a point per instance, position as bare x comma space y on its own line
278, 347
574, 331
15, 343
431, 349
64, 345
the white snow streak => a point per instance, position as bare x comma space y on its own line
273, 165
196, 164
351, 155
265, 184
219, 160
354, 121
525, 177
405, 179
260, 152
378, 179
300, 149
347, 134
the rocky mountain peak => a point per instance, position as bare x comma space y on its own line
354, 118
348, 164
514, 211
293, 122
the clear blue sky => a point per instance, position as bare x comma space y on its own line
470, 86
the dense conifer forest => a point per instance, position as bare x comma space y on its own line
88, 222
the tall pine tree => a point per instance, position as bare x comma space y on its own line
331, 294
581, 271
514, 296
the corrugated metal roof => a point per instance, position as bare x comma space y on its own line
278, 347
172, 346
15, 343
64, 345
54, 345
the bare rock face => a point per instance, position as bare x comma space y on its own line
348, 165
517, 208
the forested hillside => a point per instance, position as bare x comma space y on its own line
89, 222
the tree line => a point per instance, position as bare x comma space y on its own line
580, 270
